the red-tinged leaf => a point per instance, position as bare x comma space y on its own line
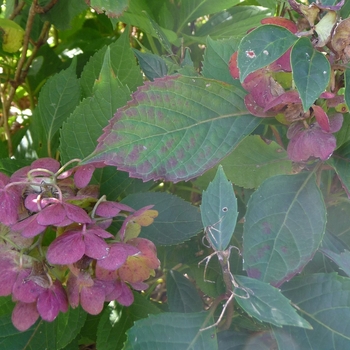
322, 118
175, 128
282, 22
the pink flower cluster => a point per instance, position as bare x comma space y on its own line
310, 133
85, 264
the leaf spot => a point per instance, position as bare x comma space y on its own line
224, 209
250, 54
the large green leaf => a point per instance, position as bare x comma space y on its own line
182, 295
340, 162
177, 220
84, 126
267, 304
116, 320
112, 8
347, 88
311, 71
219, 211
284, 225
342, 259
263, 46
58, 98
172, 331
192, 9
175, 128
216, 57
323, 299
254, 160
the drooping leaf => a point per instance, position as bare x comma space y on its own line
234, 22
263, 46
58, 98
177, 220
340, 162
216, 57
192, 9
267, 304
175, 128
342, 259
182, 295
172, 331
116, 320
112, 8
311, 71
284, 225
83, 127
323, 300
253, 161
219, 211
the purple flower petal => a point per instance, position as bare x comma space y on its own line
67, 248
24, 315
48, 305
61, 296
76, 213
139, 285
46, 163
8, 276
98, 231
92, 298
73, 291
9, 205
110, 209
26, 290
51, 214
95, 247
29, 227
118, 253
83, 175
126, 297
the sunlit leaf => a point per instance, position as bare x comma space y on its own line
12, 35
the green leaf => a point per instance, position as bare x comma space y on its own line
11, 35
253, 161
172, 331
80, 132
234, 23
192, 9
177, 220
219, 211
216, 58
116, 320
112, 8
175, 128
152, 65
284, 225
123, 64
42, 335
311, 71
57, 100
347, 88
182, 295
267, 304
342, 259
261, 47
340, 162
323, 299
63, 13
